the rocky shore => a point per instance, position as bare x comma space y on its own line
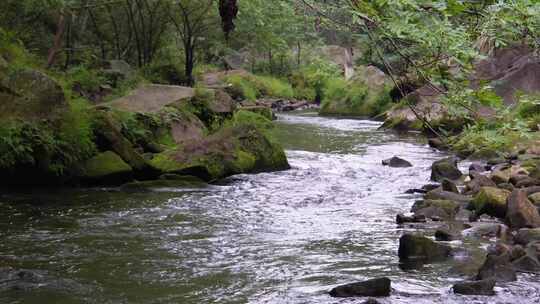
495, 202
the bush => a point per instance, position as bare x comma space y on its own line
84, 79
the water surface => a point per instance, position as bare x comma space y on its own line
283, 237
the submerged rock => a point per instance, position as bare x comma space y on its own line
402, 219
445, 168
417, 247
396, 162
380, 287
479, 288
521, 212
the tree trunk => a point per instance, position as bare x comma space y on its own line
60, 28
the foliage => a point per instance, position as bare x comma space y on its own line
251, 87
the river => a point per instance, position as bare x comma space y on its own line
283, 237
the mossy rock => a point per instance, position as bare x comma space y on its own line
445, 169
491, 201
232, 150
263, 111
501, 176
449, 207
31, 94
535, 199
109, 137
106, 168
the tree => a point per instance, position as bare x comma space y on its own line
192, 21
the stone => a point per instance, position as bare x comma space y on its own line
521, 213
516, 252
379, 287
106, 168
439, 194
437, 143
500, 176
396, 162
487, 230
491, 201
371, 301
402, 219
477, 182
477, 167
507, 187
444, 235
515, 179
445, 168
448, 208
478, 288
525, 236
535, 198
527, 263
498, 268
417, 247
527, 182
450, 186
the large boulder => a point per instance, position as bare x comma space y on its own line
380, 287
445, 168
491, 201
234, 150
521, 213
106, 168
445, 209
420, 248
480, 288
31, 95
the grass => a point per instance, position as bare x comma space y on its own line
251, 87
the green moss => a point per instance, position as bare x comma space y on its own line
104, 165
251, 87
491, 201
244, 161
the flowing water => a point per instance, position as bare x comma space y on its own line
283, 237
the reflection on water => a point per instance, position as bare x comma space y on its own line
284, 237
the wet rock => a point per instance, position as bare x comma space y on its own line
437, 143
450, 186
515, 179
499, 249
371, 301
445, 209
477, 167
379, 287
431, 187
527, 263
526, 235
479, 288
417, 247
532, 190
521, 212
527, 182
507, 187
477, 182
535, 198
445, 235
439, 194
516, 252
497, 268
491, 201
402, 219
396, 162
500, 176
445, 168
415, 191
487, 230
